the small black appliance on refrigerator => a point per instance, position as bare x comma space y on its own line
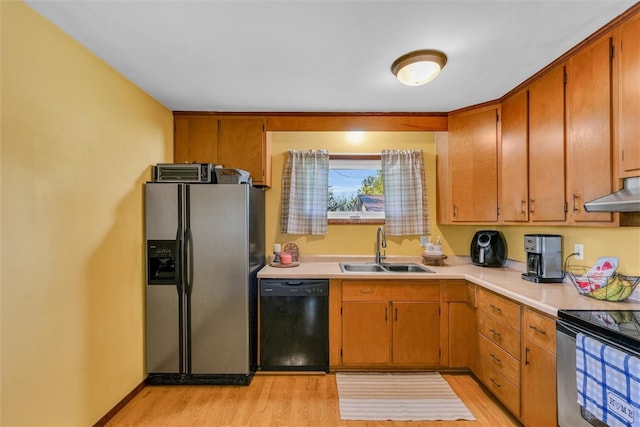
488, 249
205, 245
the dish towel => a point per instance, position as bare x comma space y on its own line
608, 382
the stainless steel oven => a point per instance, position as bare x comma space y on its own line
616, 328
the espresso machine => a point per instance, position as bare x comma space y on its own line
544, 258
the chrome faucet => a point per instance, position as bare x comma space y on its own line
381, 240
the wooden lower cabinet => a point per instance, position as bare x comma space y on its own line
539, 397
499, 347
415, 333
459, 325
498, 359
365, 333
390, 324
452, 324
507, 392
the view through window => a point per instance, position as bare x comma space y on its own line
356, 189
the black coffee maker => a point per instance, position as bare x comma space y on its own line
488, 249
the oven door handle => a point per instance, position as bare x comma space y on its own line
568, 329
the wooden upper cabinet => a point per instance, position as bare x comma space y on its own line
473, 165
589, 137
629, 98
546, 147
243, 145
233, 142
195, 139
514, 168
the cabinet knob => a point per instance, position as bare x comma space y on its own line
532, 205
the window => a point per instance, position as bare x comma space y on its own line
356, 191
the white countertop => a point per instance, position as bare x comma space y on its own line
506, 281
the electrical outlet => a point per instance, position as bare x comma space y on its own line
423, 240
578, 248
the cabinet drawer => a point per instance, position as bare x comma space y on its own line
500, 308
499, 334
500, 360
365, 291
457, 290
501, 387
540, 329
415, 291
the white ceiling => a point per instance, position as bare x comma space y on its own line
325, 55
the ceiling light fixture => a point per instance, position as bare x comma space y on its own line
418, 67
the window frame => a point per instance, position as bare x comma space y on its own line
351, 219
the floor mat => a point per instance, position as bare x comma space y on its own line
398, 397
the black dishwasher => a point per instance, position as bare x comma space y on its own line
294, 325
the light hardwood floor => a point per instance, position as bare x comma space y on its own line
283, 400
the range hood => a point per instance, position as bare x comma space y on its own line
625, 200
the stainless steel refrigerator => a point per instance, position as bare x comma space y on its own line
205, 245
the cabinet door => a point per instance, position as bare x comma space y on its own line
463, 334
546, 148
365, 333
243, 146
514, 177
539, 407
416, 333
473, 160
195, 139
629, 102
589, 162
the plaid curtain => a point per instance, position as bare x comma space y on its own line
405, 193
305, 192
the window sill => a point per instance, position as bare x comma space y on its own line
352, 221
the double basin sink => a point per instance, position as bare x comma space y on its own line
371, 267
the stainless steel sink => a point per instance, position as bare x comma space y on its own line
407, 268
361, 267
368, 267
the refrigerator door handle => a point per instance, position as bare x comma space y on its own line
179, 267
188, 250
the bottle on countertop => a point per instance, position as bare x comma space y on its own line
437, 248
429, 246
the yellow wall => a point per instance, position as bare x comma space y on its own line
77, 143
360, 239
